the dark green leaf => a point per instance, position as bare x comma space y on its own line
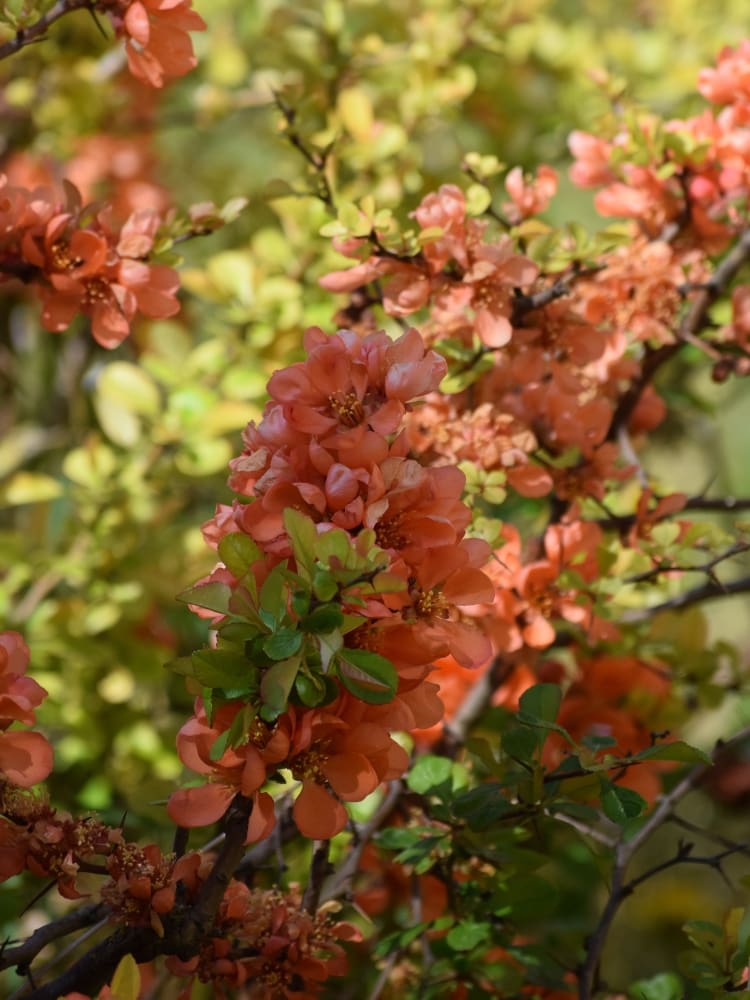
325, 618
540, 703
282, 644
621, 804
520, 743
482, 807
223, 668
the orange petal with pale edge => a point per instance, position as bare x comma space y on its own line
317, 814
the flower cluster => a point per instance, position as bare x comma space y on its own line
374, 545
266, 944
25, 757
156, 33
78, 261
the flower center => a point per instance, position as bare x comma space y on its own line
97, 290
431, 604
347, 407
388, 535
308, 766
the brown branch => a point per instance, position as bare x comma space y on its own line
690, 326
37, 31
706, 592
707, 567
319, 868
318, 159
185, 928
24, 954
619, 889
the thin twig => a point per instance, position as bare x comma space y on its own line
619, 888
706, 592
319, 868
23, 954
37, 31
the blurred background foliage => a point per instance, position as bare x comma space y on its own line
110, 461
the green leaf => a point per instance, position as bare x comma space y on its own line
302, 535
276, 685
238, 552
126, 981
540, 703
311, 689
272, 597
283, 644
520, 743
325, 586
223, 668
428, 773
467, 935
482, 807
234, 735
214, 596
679, 751
332, 544
621, 804
367, 675
663, 986
325, 618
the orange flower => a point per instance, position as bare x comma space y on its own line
157, 42
240, 770
342, 753
25, 758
